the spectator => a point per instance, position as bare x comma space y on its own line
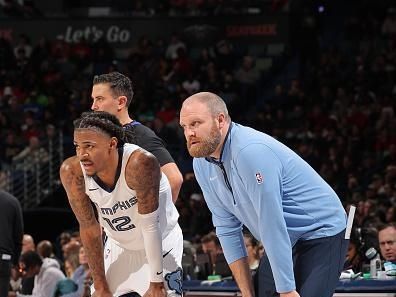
253, 255
16, 280
390, 215
10, 148
174, 45
354, 259
191, 84
211, 246
28, 243
387, 241
199, 213
80, 275
389, 24
46, 274
46, 250
248, 77
32, 154
70, 248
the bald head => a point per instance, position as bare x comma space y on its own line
44, 249
387, 241
28, 243
214, 104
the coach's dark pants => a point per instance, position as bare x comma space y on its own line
317, 267
5, 274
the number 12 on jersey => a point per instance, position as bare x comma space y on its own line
120, 223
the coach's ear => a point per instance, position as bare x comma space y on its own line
221, 119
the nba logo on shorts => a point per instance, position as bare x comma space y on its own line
259, 178
107, 253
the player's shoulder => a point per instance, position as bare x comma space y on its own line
141, 157
71, 165
142, 168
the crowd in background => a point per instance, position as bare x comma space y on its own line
148, 8
52, 269
61, 268
333, 102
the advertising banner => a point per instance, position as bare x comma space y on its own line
121, 33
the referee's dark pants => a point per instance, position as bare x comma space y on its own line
317, 267
5, 275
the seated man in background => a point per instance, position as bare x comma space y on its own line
46, 250
217, 264
211, 246
46, 274
28, 243
387, 241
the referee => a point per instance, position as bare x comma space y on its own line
11, 233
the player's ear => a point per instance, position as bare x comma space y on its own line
113, 142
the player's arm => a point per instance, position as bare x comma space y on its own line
175, 178
143, 174
73, 181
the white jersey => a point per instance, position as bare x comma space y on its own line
118, 210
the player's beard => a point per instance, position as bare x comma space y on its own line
206, 146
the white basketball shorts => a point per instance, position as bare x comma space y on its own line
128, 271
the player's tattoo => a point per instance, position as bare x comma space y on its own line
73, 181
143, 174
74, 184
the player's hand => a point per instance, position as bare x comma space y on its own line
156, 290
290, 294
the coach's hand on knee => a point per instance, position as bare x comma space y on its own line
156, 290
290, 294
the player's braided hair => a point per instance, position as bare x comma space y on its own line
107, 123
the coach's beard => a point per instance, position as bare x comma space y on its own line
206, 146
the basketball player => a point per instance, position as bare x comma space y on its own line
142, 254
113, 92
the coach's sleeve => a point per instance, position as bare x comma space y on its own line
263, 181
228, 227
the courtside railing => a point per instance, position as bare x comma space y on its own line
34, 178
